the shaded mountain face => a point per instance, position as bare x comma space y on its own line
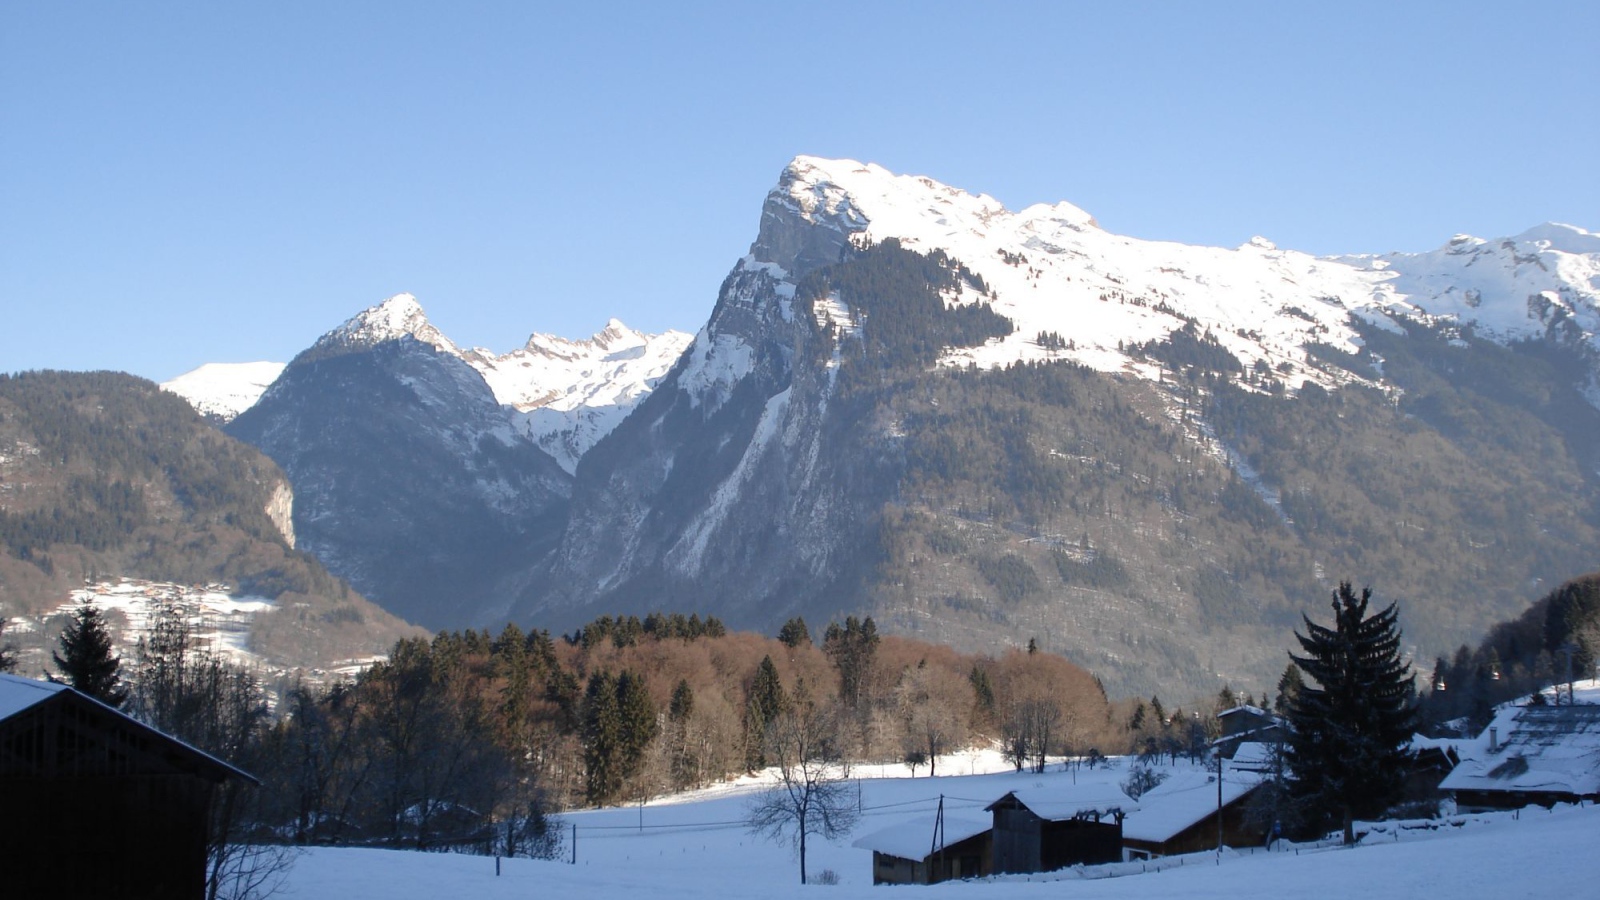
104, 476
413, 482
983, 426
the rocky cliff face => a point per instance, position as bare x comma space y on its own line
412, 481
1168, 454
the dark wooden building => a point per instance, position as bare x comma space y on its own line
1180, 816
1245, 725
96, 804
1045, 829
926, 851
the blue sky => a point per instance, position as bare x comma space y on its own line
187, 183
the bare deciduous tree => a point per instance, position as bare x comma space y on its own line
936, 704
811, 797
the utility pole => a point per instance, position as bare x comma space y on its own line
1221, 764
1567, 650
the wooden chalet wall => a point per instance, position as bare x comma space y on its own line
94, 804
1024, 842
965, 859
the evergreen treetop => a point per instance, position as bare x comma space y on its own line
86, 660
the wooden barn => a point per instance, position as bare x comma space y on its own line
1044, 829
96, 804
927, 851
1180, 816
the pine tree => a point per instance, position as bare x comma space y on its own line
762, 706
794, 633
682, 705
1226, 699
637, 713
602, 738
853, 650
1289, 686
86, 661
1347, 746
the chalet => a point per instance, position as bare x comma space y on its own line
1246, 724
96, 804
1532, 753
1043, 829
1180, 815
927, 851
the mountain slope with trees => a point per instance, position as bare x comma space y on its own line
105, 475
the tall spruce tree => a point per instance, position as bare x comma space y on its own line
637, 714
602, 739
1350, 730
763, 703
85, 659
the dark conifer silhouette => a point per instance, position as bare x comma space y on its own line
86, 660
1351, 728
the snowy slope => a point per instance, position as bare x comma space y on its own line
223, 390
572, 393
1055, 269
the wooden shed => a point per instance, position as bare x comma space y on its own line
927, 851
1044, 829
96, 804
1180, 816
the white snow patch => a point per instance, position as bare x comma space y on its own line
225, 390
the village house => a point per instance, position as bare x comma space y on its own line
928, 851
1544, 753
1180, 815
1245, 725
1043, 829
96, 804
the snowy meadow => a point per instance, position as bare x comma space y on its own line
695, 845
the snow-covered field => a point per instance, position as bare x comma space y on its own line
694, 846
219, 619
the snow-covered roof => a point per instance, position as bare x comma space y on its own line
1182, 800
18, 694
1537, 748
915, 839
1243, 708
1060, 803
1253, 755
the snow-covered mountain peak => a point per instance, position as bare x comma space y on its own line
398, 317
1561, 238
1051, 268
614, 337
572, 392
224, 390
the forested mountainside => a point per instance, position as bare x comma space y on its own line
1154, 457
103, 475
